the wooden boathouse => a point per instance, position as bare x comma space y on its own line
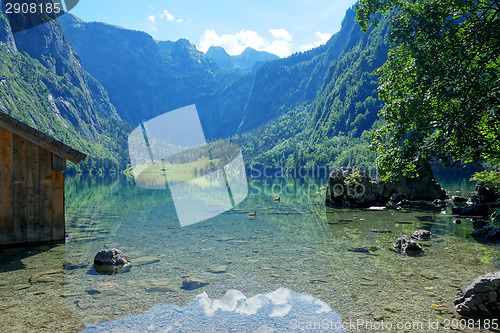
32, 168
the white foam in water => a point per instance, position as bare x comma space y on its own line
282, 310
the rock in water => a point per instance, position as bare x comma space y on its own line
111, 261
192, 283
407, 245
422, 235
481, 298
439, 203
423, 187
353, 188
487, 234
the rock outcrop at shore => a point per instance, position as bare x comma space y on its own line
481, 298
354, 188
480, 204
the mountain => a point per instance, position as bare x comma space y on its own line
309, 108
145, 78
315, 108
249, 60
44, 84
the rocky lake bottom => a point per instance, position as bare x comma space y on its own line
295, 255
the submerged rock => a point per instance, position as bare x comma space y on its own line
470, 209
458, 200
217, 269
407, 246
478, 223
481, 298
160, 285
487, 234
111, 261
145, 260
192, 283
422, 235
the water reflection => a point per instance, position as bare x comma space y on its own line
339, 256
282, 310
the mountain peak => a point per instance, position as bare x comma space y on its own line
245, 61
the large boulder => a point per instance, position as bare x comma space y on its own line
485, 194
111, 261
423, 187
487, 234
422, 235
353, 188
406, 245
481, 298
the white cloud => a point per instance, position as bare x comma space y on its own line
322, 37
281, 34
236, 43
164, 15
279, 47
168, 16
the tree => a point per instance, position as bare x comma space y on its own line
440, 84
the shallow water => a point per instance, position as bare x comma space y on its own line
339, 257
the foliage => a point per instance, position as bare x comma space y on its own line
354, 178
490, 178
440, 84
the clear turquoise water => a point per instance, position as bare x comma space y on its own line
296, 243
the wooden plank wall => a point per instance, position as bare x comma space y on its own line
31, 193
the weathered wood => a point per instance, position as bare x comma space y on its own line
58, 163
19, 190
6, 178
32, 168
58, 230
45, 213
33, 192
30, 134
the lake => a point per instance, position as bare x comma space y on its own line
295, 265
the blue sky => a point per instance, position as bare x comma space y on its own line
280, 27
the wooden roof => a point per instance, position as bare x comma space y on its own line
40, 139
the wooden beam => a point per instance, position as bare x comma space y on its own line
45, 214
6, 178
19, 194
30, 134
33, 192
58, 222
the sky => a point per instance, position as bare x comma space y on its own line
276, 26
